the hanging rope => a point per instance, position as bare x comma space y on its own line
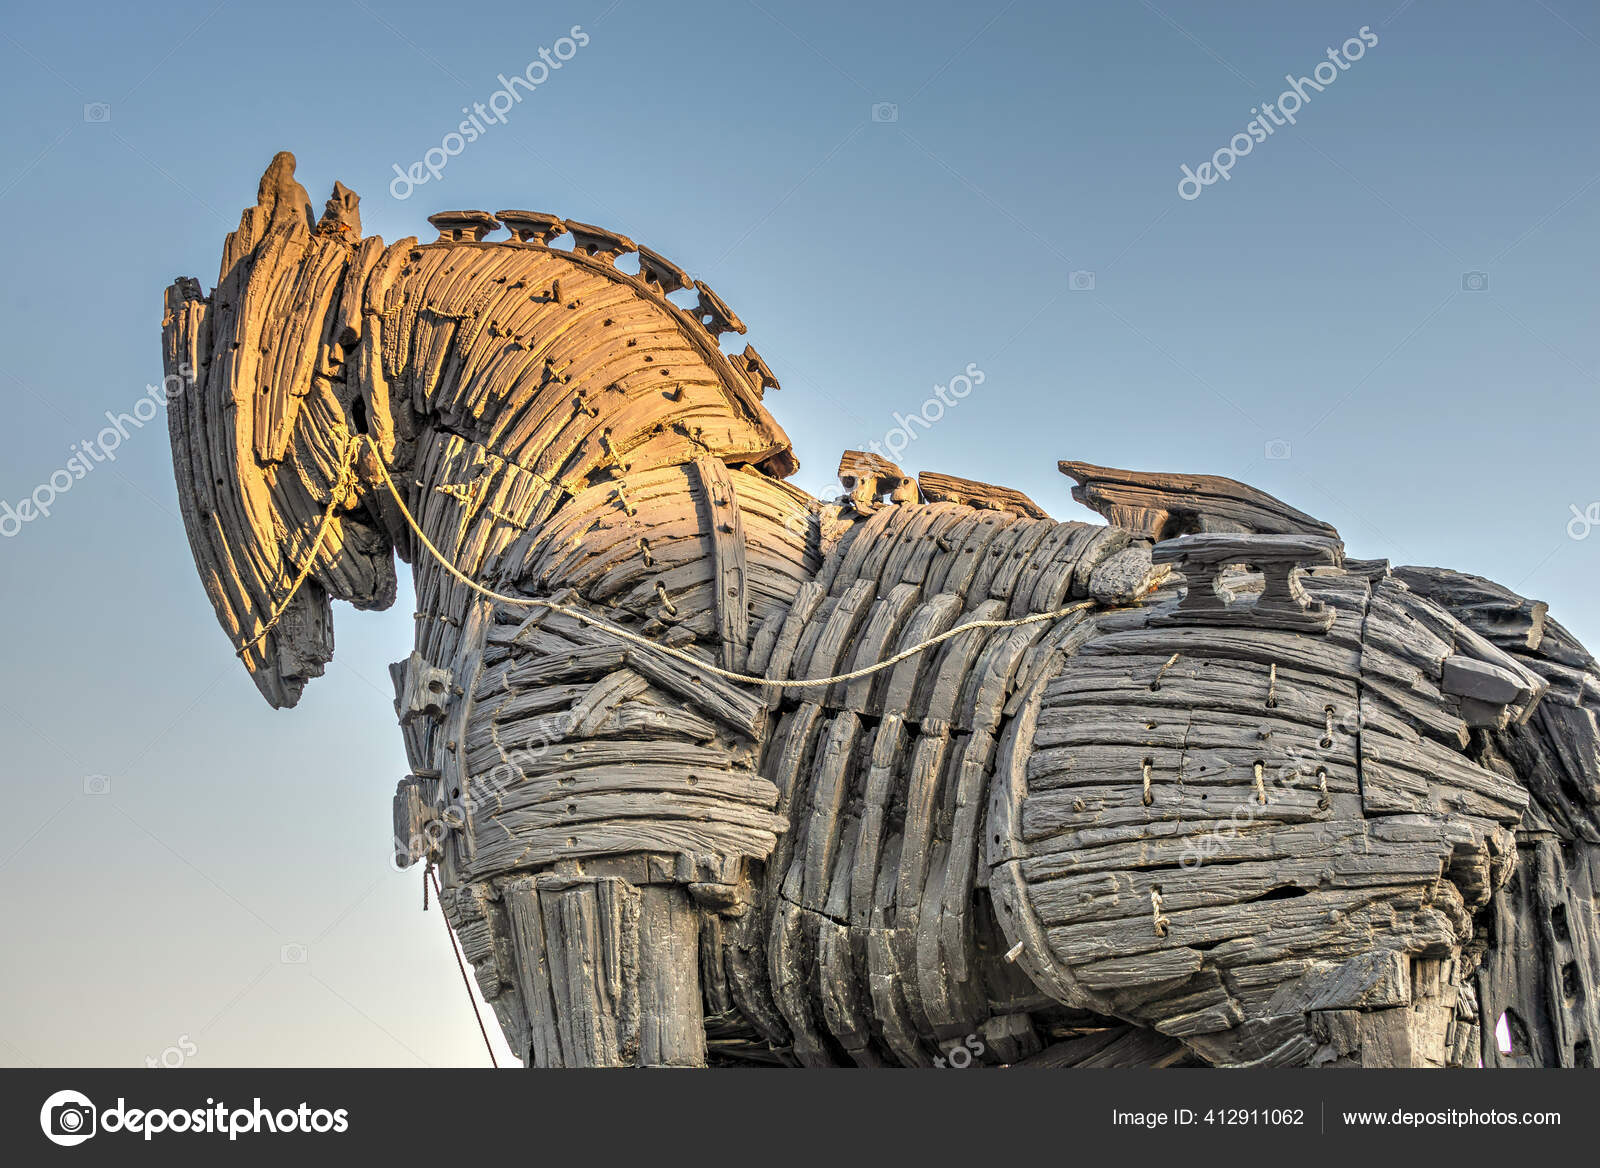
347, 472
1158, 919
462, 966
345, 480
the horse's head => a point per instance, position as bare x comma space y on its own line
570, 365
258, 436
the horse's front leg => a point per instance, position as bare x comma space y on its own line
608, 969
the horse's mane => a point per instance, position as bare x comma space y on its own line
560, 361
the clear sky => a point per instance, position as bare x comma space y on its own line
1385, 316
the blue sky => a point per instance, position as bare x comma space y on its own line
886, 194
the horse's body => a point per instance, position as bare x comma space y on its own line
1347, 821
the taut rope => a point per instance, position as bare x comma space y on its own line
346, 477
427, 876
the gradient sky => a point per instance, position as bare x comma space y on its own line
1313, 305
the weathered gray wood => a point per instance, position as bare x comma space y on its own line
943, 488
1282, 602
670, 1033
1160, 506
413, 813
1507, 619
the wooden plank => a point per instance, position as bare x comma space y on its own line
1162, 505
720, 514
943, 488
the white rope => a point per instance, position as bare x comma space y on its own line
344, 481
624, 634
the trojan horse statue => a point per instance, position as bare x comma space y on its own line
1187, 787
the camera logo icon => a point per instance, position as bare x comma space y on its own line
97, 785
68, 1118
292, 955
1277, 449
97, 111
1080, 281
1474, 281
885, 111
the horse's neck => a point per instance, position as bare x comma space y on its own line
685, 526
564, 364
520, 376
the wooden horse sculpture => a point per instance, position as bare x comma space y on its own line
1187, 787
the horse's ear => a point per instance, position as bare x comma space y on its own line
258, 433
280, 196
